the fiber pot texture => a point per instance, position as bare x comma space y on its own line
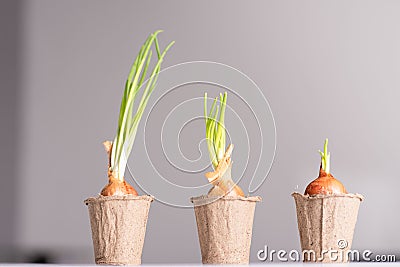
225, 227
118, 228
326, 225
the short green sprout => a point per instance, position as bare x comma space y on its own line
325, 157
215, 128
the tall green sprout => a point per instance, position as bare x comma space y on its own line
128, 118
215, 128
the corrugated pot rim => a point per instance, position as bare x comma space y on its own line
101, 198
205, 199
320, 196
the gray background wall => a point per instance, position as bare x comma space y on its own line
9, 114
328, 68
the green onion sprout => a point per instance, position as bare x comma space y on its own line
215, 128
325, 157
128, 117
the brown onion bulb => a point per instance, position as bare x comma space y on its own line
116, 187
325, 184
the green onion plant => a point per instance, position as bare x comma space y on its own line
129, 117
